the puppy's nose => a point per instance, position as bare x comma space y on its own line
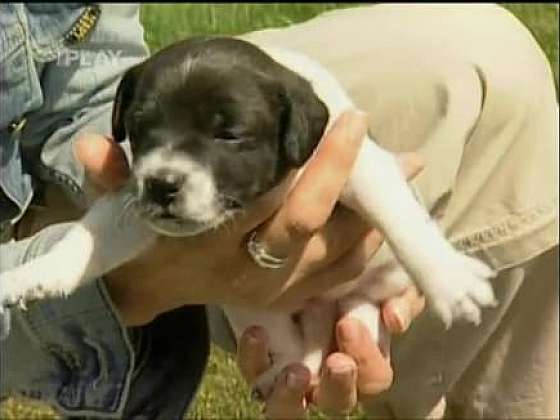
162, 190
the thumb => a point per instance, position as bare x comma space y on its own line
252, 353
104, 161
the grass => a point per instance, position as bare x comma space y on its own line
166, 24
223, 392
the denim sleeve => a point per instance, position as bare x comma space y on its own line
75, 353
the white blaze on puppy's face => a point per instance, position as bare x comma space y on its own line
195, 205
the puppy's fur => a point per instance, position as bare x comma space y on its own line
213, 124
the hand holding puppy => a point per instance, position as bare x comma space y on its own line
325, 247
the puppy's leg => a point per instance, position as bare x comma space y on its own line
284, 342
456, 286
102, 240
317, 323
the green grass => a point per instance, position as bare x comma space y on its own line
542, 21
166, 24
223, 393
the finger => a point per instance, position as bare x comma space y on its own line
252, 353
374, 370
328, 244
312, 199
265, 206
345, 269
283, 232
337, 392
400, 311
287, 400
104, 161
411, 164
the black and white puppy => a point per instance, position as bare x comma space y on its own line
214, 123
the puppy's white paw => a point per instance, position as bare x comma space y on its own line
16, 289
11, 291
42, 277
462, 288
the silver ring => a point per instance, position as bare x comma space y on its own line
260, 255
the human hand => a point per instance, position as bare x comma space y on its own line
215, 267
358, 371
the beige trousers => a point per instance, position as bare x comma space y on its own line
467, 87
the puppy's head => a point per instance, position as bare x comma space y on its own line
213, 123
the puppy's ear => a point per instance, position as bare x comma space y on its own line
123, 98
303, 122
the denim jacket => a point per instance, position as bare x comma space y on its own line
59, 68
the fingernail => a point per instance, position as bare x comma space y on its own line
295, 381
254, 335
399, 319
349, 332
253, 341
340, 371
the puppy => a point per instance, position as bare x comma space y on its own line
214, 123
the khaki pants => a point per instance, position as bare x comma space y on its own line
468, 88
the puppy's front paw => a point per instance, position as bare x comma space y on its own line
16, 289
462, 289
42, 277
